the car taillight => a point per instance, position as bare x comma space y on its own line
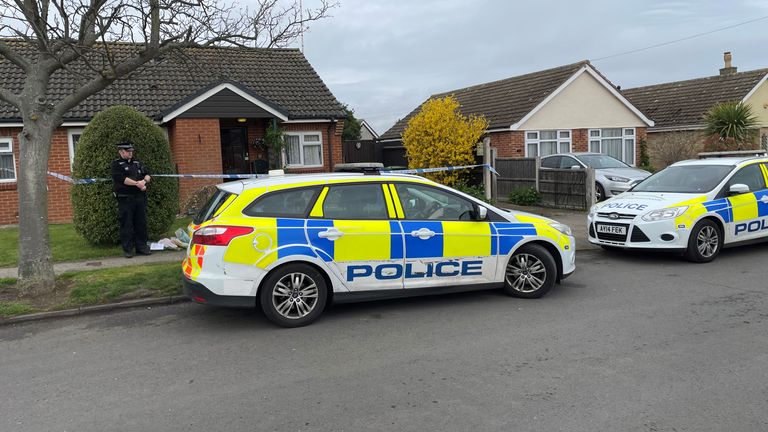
219, 235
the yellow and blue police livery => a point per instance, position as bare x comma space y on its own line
296, 243
696, 207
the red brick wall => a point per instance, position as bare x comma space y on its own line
59, 201
508, 144
580, 140
196, 149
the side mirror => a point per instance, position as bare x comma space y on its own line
575, 167
738, 189
482, 213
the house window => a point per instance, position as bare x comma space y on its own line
616, 142
73, 136
543, 143
7, 161
303, 149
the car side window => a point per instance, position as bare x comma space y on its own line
567, 162
750, 175
356, 201
421, 202
291, 203
551, 162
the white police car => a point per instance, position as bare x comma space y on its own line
695, 206
296, 243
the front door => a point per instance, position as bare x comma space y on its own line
234, 150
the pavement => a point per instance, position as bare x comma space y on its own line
109, 262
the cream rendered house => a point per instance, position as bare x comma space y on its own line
571, 108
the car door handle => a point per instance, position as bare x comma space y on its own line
423, 233
330, 234
764, 199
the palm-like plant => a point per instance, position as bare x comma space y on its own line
732, 122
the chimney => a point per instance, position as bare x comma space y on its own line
728, 69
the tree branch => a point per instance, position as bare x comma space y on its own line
14, 57
11, 98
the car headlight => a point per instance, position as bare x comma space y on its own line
617, 179
665, 213
593, 209
565, 229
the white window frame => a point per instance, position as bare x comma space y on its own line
537, 141
71, 143
302, 144
626, 134
9, 141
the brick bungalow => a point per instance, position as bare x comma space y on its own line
678, 109
214, 103
571, 108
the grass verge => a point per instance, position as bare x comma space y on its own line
66, 244
87, 288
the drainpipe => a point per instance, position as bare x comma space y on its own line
330, 144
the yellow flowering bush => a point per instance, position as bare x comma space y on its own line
439, 135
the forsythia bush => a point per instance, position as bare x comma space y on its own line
439, 135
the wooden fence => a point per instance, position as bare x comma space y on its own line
559, 188
389, 154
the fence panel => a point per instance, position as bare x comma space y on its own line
565, 188
518, 173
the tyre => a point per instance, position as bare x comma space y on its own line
599, 192
294, 295
530, 273
705, 242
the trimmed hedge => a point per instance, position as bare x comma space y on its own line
95, 208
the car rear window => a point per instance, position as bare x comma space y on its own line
292, 203
210, 208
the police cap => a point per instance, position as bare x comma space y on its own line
125, 145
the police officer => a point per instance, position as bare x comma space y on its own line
130, 181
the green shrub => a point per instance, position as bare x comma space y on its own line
525, 196
95, 208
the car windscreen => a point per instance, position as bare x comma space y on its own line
601, 161
210, 208
685, 179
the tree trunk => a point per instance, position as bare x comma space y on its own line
35, 261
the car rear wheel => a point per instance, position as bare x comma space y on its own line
530, 273
705, 242
294, 295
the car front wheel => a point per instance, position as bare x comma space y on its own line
705, 242
530, 273
293, 295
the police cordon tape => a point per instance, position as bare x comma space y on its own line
247, 176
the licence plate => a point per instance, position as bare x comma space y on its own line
611, 229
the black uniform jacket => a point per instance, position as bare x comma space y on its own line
130, 168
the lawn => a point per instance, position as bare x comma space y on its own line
66, 244
85, 288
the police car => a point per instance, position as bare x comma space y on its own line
696, 207
292, 244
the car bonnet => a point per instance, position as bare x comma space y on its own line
637, 203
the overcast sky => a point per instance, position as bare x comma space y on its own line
385, 57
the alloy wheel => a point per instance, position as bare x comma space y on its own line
526, 273
707, 241
295, 295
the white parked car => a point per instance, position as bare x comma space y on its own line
695, 206
612, 176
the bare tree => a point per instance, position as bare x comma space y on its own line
99, 42
672, 147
